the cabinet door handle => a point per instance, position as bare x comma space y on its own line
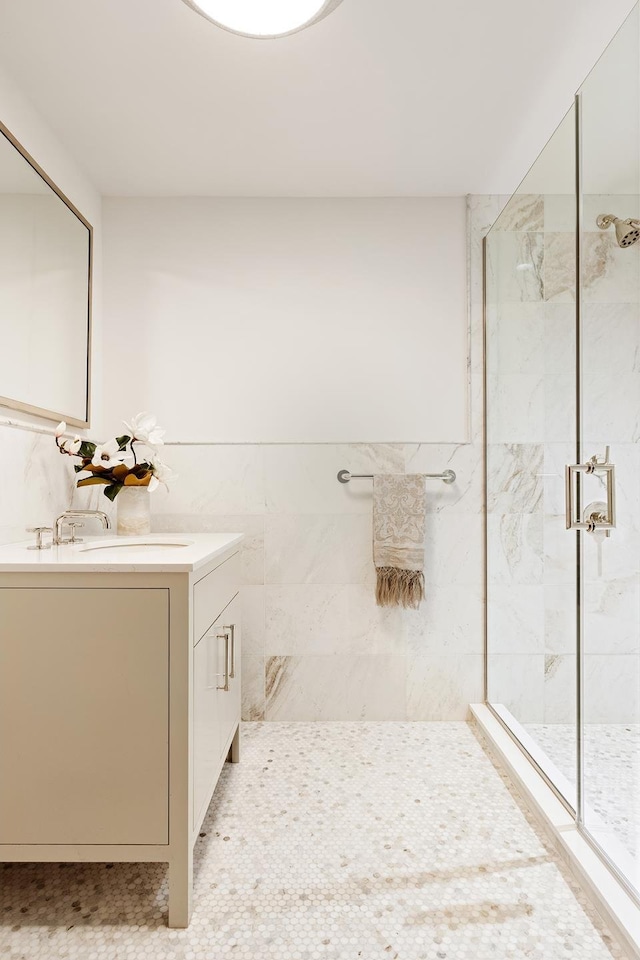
232, 630
225, 685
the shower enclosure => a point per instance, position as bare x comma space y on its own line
562, 375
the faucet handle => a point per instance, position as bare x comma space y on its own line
72, 524
39, 545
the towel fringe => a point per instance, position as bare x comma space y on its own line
399, 588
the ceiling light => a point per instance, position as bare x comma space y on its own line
263, 19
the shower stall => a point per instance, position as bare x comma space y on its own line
562, 379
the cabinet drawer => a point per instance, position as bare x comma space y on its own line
208, 674
216, 704
213, 593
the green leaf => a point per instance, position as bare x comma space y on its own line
78, 467
89, 481
113, 490
123, 441
87, 449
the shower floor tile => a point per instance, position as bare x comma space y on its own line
611, 771
344, 841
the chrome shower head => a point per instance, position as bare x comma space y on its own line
627, 231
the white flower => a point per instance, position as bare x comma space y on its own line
144, 427
71, 446
161, 474
109, 455
61, 428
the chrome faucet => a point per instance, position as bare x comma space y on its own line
68, 518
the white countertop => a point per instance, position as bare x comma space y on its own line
155, 553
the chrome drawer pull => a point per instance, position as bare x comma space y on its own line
232, 629
225, 686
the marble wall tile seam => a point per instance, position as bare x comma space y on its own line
318, 548
524, 212
251, 525
420, 688
340, 688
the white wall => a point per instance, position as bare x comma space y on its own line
315, 645
35, 482
289, 320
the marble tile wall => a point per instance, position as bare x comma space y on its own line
315, 645
531, 426
36, 485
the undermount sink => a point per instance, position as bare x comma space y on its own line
139, 543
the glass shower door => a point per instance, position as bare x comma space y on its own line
562, 367
609, 323
531, 429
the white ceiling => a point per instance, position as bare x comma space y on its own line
382, 98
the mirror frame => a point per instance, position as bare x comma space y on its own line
20, 405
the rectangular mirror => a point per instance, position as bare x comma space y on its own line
45, 292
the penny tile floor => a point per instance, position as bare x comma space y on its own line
612, 771
329, 841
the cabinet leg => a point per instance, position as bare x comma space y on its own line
180, 887
235, 747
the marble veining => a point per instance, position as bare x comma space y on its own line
525, 211
520, 266
608, 276
560, 688
329, 841
253, 687
514, 477
551, 664
465, 459
338, 687
515, 543
559, 267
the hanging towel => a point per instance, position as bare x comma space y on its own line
398, 539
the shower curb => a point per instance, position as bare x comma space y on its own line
617, 907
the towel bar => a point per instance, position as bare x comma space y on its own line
448, 476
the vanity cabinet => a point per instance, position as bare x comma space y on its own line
216, 697
84, 716
119, 704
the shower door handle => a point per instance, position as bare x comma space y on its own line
592, 466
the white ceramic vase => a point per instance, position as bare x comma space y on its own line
134, 511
